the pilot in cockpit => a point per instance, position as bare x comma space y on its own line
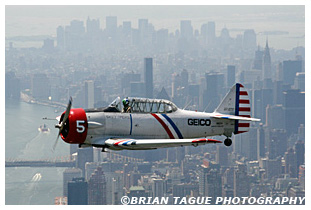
126, 105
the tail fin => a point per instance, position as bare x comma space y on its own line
236, 103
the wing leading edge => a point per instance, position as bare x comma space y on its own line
143, 144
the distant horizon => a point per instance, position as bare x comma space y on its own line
285, 23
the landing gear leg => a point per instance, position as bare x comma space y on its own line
228, 142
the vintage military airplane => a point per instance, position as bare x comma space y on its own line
154, 123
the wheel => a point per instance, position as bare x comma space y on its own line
228, 142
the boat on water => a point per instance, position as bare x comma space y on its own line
44, 128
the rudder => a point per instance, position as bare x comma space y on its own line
237, 103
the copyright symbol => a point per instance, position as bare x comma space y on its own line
125, 200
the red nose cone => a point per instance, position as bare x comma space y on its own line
75, 130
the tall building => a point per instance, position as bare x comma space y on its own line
92, 26
258, 59
230, 75
249, 40
299, 82
289, 69
300, 153
89, 99
111, 26
186, 29
222, 155
93, 33
261, 152
84, 155
77, 192
158, 188
294, 108
228, 182
291, 163
143, 29
277, 143
211, 33
74, 36
60, 37
267, 74
213, 91
275, 116
148, 74
68, 175
241, 181
210, 181
97, 188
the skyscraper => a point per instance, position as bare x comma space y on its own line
111, 26
258, 59
186, 29
290, 68
267, 63
214, 90
84, 155
211, 35
77, 192
68, 175
260, 142
148, 73
294, 108
89, 94
241, 181
249, 40
291, 163
97, 188
230, 75
60, 36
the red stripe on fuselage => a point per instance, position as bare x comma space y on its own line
163, 125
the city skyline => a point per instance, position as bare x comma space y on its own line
282, 23
96, 59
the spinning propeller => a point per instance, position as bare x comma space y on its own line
62, 122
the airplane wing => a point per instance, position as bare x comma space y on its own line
233, 117
142, 144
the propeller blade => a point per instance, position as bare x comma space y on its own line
55, 143
62, 123
67, 110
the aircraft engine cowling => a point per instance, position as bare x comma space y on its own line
75, 128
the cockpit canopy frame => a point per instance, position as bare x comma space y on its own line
146, 105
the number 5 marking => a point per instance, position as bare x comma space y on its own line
80, 126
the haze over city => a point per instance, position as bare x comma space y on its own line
190, 55
282, 23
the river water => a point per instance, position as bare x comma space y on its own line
23, 141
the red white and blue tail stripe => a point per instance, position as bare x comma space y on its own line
236, 106
242, 108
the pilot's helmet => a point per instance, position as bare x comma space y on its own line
125, 102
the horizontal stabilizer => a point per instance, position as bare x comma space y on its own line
233, 117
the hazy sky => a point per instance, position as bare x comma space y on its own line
43, 20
